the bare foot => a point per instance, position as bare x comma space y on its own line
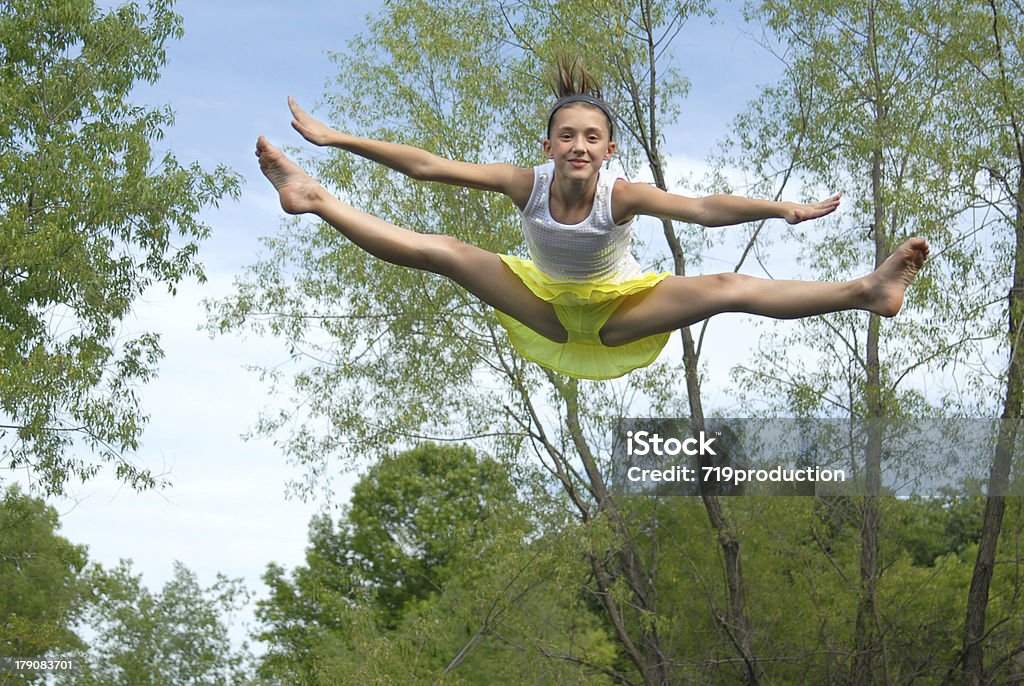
298, 192
888, 283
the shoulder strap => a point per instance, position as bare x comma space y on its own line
541, 184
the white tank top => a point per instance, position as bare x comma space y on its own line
596, 249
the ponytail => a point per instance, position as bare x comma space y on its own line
572, 83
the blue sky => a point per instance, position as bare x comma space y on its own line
227, 80
226, 509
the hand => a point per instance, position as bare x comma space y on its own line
794, 212
312, 130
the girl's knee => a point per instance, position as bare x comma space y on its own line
613, 334
443, 254
731, 280
733, 287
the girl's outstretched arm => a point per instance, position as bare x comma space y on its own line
419, 164
714, 210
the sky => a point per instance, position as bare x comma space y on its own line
226, 509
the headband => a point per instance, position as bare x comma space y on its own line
590, 100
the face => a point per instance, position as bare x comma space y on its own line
580, 140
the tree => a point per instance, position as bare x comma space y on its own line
177, 636
50, 599
988, 50
409, 518
91, 215
864, 106
42, 589
411, 514
464, 80
434, 569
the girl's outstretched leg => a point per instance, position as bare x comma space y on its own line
684, 300
480, 272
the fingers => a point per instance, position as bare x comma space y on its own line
308, 127
300, 116
828, 206
297, 111
803, 212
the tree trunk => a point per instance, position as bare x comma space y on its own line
645, 651
868, 665
735, 622
995, 507
869, 659
984, 564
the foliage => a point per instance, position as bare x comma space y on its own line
177, 636
411, 514
864, 107
516, 611
515, 602
432, 570
91, 215
395, 354
988, 46
801, 559
42, 588
868, 105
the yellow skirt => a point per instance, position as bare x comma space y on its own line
583, 308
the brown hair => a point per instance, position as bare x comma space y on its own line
571, 82
570, 77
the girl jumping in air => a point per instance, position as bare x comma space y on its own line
581, 305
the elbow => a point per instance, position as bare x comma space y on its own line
703, 215
419, 171
426, 167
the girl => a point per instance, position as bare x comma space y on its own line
582, 305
